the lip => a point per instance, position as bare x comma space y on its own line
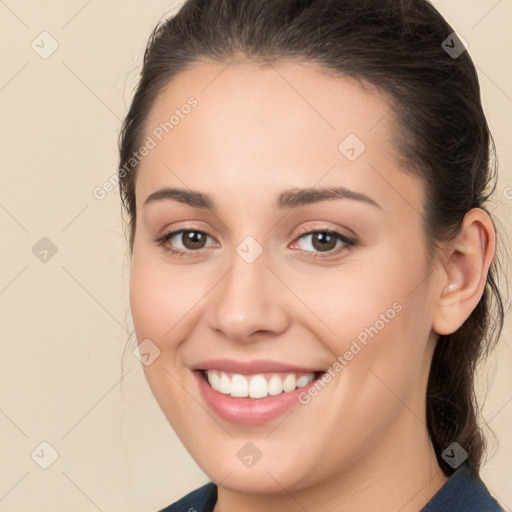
252, 367
249, 411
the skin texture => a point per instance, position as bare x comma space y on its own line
361, 444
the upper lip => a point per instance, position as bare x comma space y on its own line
251, 367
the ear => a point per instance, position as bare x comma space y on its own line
464, 268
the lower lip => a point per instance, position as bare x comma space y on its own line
249, 411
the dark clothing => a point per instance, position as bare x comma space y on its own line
464, 491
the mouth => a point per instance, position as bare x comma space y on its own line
257, 386
252, 392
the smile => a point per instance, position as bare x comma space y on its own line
256, 386
252, 392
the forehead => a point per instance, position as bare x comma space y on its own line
304, 98
282, 124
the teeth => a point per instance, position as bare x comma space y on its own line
214, 380
289, 383
256, 386
239, 386
303, 381
225, 384
275, 385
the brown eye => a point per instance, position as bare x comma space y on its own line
328, 242
324, 241
183, 241
193, 239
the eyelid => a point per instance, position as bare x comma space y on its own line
321, 229
167, 235
348, 241
344, 231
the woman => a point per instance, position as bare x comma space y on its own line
312, 259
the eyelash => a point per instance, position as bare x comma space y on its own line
349, 243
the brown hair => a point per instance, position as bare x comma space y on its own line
398, 46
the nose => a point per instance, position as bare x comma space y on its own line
248, 303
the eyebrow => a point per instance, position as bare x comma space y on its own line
292, 198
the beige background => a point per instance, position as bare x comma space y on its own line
65, 322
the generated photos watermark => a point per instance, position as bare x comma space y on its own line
356, 346
151, 142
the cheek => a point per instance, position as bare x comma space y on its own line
375, 314
159, 312
360, 303
149, 304
159, 298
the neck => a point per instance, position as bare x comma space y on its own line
399, 473
405, 480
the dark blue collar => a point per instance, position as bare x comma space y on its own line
464, 491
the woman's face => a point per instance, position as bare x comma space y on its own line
255, 293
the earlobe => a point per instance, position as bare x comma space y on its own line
464, 272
